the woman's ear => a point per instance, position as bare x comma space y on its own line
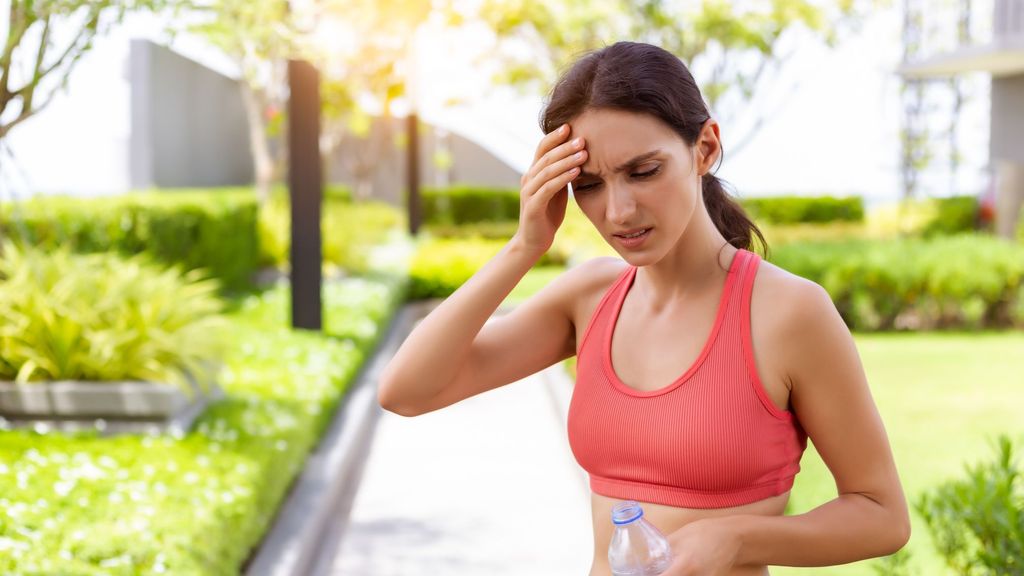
708, 146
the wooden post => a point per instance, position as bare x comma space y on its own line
306, 191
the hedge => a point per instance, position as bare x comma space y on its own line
213, 230
960, 281
464, 204
800, 209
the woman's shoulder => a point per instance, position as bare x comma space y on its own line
593, 277
583, 285
786, 304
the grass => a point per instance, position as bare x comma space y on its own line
943, 398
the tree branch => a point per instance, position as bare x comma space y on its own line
19, 21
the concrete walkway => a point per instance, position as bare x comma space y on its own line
485, 486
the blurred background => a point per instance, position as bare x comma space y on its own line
188, 316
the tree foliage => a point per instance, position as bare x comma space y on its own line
44, 41
729, 46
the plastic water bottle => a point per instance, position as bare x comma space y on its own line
637, 547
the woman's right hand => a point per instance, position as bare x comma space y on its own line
544, 194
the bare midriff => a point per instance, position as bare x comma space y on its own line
668, 519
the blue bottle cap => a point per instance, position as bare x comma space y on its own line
626, 512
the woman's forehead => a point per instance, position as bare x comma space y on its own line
624, 132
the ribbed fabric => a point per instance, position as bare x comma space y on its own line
710, 439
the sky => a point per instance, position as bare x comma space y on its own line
834, 126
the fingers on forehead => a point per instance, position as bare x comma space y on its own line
549, 142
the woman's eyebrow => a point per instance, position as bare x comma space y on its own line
627, 164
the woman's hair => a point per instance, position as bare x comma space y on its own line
643, 78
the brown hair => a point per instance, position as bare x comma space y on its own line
643, 78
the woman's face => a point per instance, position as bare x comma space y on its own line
638, 174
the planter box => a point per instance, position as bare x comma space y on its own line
110, 407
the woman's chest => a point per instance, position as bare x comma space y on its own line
649, 354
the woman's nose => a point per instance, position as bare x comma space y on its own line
621, 206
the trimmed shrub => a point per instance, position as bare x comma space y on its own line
801, 209
214, 230
953, 215
463, 204
441, 266
965, 281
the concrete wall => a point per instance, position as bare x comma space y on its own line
471, 163
188, 126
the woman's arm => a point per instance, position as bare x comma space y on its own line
435, 351
446, 357
830, 396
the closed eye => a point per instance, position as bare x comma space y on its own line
637, 176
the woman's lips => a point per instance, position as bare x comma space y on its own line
635, 241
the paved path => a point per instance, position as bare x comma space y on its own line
485, 486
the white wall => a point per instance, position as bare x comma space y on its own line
79, 144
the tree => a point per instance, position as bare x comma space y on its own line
378, 39
729, 47
260, 36
35, 65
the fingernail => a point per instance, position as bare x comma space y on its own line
563, 129
576, 142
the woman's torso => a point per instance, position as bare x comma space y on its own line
638, 352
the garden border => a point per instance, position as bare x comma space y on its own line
305, 535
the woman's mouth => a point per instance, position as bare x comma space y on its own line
633, 240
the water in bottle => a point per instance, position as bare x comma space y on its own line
637, 548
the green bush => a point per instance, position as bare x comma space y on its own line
103, 317
1020, 225
348, 230
953, 215
77, 504
801, 209
464, 204
928, 217
977, 522
970, 281
440, 266
482, 230
215, 230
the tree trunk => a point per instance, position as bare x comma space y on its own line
263, 162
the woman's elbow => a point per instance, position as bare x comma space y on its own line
899, 531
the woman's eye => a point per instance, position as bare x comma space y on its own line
648, 174
641, 175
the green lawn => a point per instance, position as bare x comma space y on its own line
943, 398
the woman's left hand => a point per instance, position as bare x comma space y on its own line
706, 547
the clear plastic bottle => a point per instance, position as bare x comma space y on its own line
637, 547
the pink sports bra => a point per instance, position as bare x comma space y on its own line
710, 439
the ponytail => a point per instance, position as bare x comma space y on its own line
729, 217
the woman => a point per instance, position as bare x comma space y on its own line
702, 370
